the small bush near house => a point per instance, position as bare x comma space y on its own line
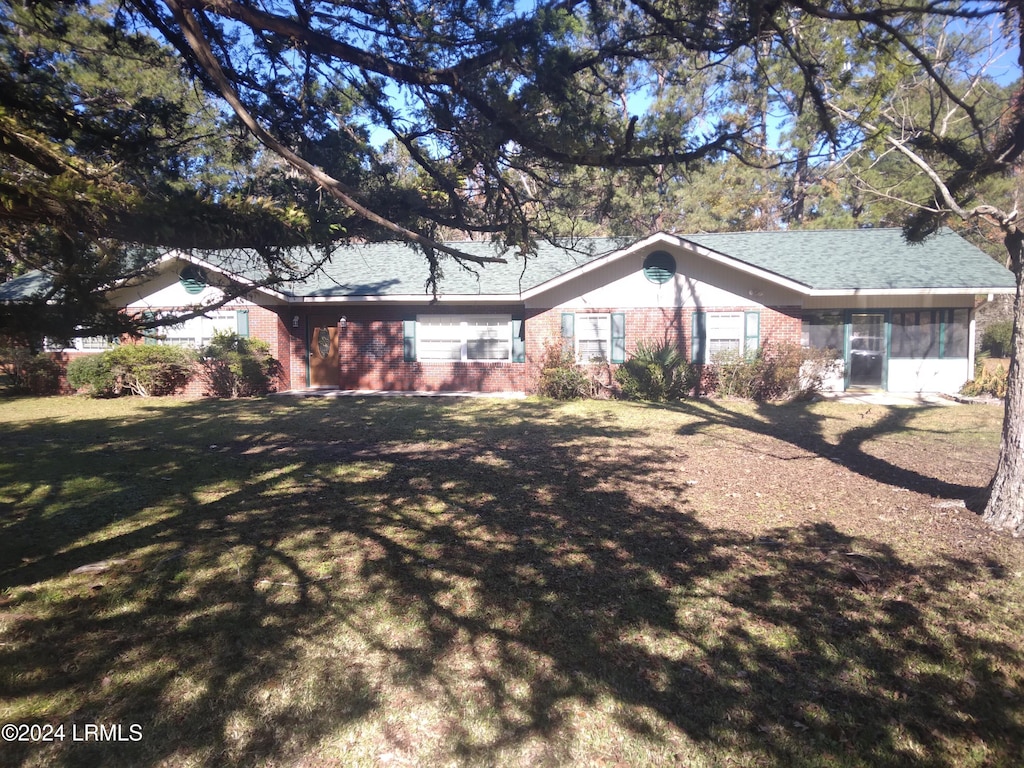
92, 375
236, 366
139, 369
996, 339
561, 377
656, 372
987, 382
28, 373
776, 372
151, 370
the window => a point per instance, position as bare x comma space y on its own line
593, 337
82, 344
823, 330
599, 337
198, 332
725, 332
929, 333
462, 337
715, 333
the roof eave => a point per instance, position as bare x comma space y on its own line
410, 298
952, 291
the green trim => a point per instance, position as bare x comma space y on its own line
242, 322
518, 341
659, 267
751, 338
698, 337
149, 335
618, 330
192, 279
409, 341
943, 315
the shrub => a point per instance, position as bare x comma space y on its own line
139, 369
93, 375
150, 370
561, 377
987, 382
996, 339
734, 374
777, 371
237, 366
28, 373
656, 372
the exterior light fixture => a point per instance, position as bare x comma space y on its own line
295, 321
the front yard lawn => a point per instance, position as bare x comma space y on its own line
402, 582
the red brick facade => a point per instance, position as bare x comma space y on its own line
371, 355
371, 351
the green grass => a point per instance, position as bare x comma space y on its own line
463, 582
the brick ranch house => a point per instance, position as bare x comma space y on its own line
901, 316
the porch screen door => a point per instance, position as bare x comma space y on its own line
866, 363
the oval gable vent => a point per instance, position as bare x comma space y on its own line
193, 279
659, 267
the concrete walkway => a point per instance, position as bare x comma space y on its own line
876, 397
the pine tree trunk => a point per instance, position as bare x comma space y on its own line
1005, 508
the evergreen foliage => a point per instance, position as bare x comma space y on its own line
236, 366
147, 370
996, 340
657, 372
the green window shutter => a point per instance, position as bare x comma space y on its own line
568, 325
149, 335
698, 337
752, 334
242, 322
518, 341
618, 337
409, 340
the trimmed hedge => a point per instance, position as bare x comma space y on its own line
139, 369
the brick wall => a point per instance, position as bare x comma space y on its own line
675, 326
371, 356
370, 344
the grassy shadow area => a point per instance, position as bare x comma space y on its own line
415, 582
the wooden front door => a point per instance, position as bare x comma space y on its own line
323, 355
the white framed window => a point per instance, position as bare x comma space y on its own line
464, 337
729, 333
197, 332
593, 337
83, 344
726, 332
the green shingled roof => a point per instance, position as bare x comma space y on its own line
821, 260
34, 283
397, 269
862, 259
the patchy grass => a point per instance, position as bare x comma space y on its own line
416, 582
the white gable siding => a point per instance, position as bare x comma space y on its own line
697, 283
174, 295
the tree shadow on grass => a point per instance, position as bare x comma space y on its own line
800, 426
421, 583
